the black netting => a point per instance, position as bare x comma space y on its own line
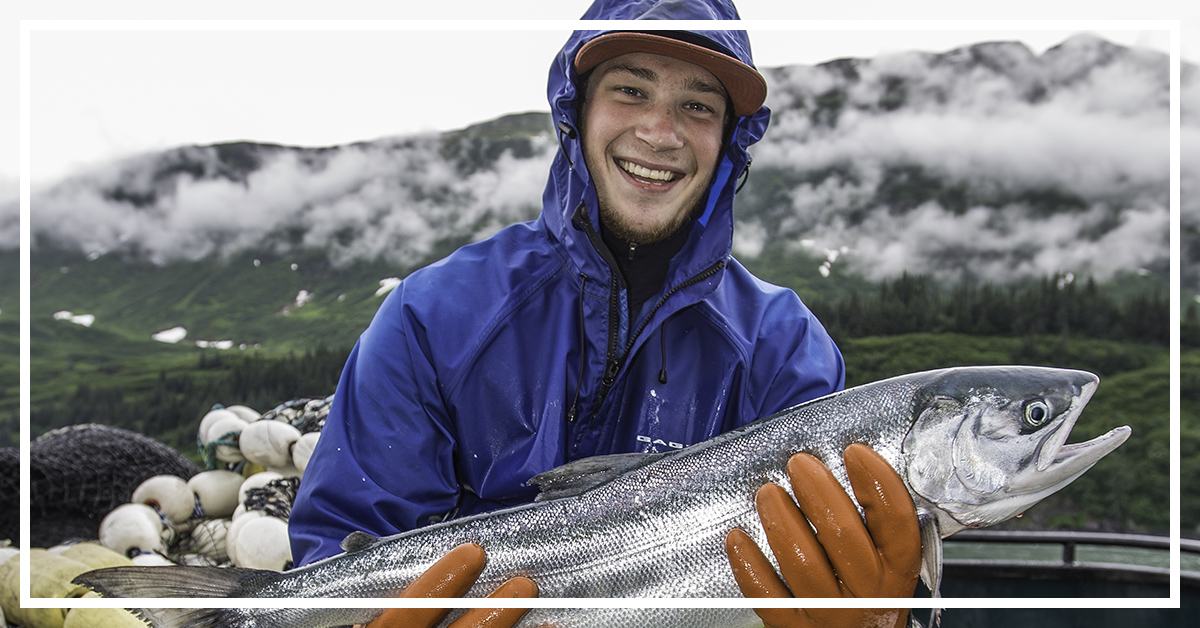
10, 493
77, 474
306, 415
274, 498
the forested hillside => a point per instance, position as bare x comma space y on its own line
901, 326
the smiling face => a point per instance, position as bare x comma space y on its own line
652, 128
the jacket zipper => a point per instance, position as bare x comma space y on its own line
614, 364
613, 361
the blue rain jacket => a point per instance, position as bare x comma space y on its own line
468, 381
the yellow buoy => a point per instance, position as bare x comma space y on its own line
50, 576
101, 618
95, 555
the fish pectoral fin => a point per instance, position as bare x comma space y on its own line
576, 477
931, 552
931, 559
358, 540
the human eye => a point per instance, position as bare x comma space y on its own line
704, 110
626, 90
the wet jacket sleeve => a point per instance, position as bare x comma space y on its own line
795, 360
384, 461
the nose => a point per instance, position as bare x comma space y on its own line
659, 128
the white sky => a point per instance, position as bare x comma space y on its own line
100, 94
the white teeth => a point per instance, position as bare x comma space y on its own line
645, 173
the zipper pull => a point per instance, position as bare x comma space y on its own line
632, 247
610, 374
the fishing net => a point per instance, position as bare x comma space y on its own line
306, 414
10, 494
275, 498
77, 474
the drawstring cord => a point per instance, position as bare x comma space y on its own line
745, 176
566, 129
662, 338
573, 412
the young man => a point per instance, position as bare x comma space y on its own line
616, 322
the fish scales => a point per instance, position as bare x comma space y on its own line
692, 496
654, 525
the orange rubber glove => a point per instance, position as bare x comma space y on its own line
452, 576
845, 558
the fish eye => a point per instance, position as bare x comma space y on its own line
1037, 413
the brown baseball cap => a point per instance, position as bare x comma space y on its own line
747, 88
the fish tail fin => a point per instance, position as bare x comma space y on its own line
190, 617
173, 581
179, 582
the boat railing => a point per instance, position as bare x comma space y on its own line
1142, 557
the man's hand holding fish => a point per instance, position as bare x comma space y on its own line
846, 556
452, 576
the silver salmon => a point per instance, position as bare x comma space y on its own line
974, 445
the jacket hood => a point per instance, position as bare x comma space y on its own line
570, 185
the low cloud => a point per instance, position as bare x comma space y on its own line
361, 202
1031, 166
1060, 163
1001, 245
10, 214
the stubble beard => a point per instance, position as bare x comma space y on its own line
622, 227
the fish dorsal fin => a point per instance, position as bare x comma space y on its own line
931, 559
358, 541
576, 477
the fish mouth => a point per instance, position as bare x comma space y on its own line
1091, 451
1059, 463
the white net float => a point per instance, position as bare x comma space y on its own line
151, 560
168, 494
247, 414
216, 492
262, 543
303, 448
212, 417
269, 443
222, 438
240, 520
132, 529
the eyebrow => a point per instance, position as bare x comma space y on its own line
640, 72
694, 84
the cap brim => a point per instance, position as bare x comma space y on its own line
747, 88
